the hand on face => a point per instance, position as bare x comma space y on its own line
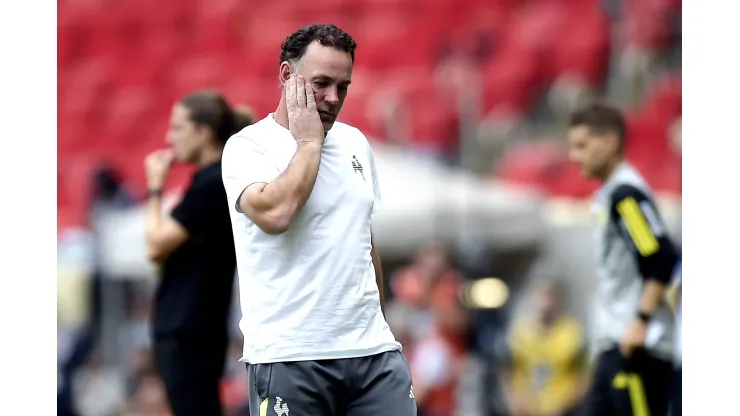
304, 121
157, 165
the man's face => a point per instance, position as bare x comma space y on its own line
183, 135
591, 151
329, 72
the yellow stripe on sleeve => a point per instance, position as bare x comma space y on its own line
638, 227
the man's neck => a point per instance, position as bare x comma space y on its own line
610, 169
281, 114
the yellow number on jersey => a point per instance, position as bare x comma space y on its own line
633, 384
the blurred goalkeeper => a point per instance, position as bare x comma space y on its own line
636, 260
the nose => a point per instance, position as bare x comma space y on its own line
331, 95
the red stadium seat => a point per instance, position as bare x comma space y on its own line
379, 49
528, 163
582, 47
128, 109
121, 65
535, 27
359, 110
74, 180
648, 23
198, 72
434, 121
666, 176
218, 34
382, 6
70, 217
664, 99
217, 8
511, 80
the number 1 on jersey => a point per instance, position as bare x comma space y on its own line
633, 384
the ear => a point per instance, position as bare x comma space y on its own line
203, 132
284, 75
614, 142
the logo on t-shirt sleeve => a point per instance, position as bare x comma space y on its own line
357, 166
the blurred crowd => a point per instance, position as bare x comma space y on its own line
527, 357
538, 359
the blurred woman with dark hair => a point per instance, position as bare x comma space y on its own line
195, 251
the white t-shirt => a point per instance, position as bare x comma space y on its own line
309, 293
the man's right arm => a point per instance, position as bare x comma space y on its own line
272, 206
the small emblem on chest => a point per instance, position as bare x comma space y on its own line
357, 167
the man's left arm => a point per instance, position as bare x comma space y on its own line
374, 250
378, 274
638, 221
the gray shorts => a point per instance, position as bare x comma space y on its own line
377, 385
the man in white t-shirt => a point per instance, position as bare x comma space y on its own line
301, 188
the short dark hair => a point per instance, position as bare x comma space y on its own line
600, 118
296, 44
210, 109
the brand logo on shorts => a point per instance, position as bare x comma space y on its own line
280, 407
411, 393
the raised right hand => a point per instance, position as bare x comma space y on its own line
303, 118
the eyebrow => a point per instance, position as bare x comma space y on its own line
328, 78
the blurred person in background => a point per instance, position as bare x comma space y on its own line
438, 358
195, 250
73, 349
244, 115
413, 285
134, 338
234, 388
636, 260
401, 324
98, 388
547, 359
108, 194
148, 399
315, 336
109, 190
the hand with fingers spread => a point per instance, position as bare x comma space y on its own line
303, 118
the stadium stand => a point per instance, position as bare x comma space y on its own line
121, 66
